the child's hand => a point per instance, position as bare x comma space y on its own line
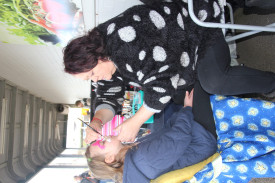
188, 100
90, 134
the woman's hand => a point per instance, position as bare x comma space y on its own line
188, 100
128, 130
90, 134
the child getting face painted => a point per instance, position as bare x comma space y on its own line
106, 157
182, 142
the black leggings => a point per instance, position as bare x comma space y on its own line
202, 109
216, 76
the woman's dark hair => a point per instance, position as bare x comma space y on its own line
82, 54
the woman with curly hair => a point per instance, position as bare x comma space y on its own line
158, 48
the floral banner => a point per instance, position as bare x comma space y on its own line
44, 22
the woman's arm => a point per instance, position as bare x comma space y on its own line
101, 117
109, 97
130, 127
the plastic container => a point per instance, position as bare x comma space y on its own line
137, 103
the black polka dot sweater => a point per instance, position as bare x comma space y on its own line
155, 48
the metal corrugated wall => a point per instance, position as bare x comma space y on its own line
29, 131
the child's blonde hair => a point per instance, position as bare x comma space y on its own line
102, 170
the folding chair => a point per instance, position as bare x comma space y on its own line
254, 29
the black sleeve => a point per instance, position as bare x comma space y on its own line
110, 94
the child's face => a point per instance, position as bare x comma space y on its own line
104, 147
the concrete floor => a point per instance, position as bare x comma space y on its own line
257, 51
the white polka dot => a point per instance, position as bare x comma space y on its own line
140, 75
174, 81
106, 101
159, 89
169, 1
120, 78
185, 1
114, 89
184, 12
181, 82
165, 99
163, 68
184, 59
206, 1
159, 54
150, 79
157, 19
95, 84
180, 21
166, 10
137, 18
196, 59
134, 84
202, 15
109, 94
129, 68
127, 34
151, 109
141, 55
111, 28
217, 9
